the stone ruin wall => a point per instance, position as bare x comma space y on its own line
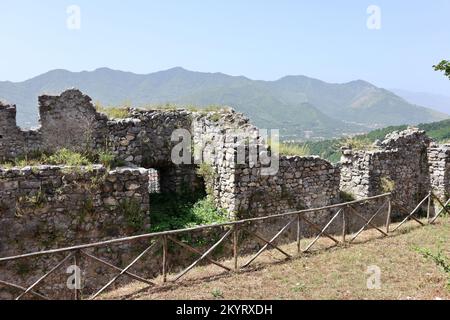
50, 207
14, 141
300, 183
243, 189
439, 164
71, 121
144, 139
242, 186
402, 158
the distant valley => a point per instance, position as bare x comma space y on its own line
302, 108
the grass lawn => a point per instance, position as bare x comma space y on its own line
326, 273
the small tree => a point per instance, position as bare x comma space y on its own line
444, 66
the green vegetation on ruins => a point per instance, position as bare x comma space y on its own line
64, 157
172, 211
290, 149
113, 112
122, 111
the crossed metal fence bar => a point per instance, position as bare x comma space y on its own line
234, 229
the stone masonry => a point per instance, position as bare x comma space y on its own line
55, 206
400, 161
439, 162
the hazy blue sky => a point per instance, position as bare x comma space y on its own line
328, 40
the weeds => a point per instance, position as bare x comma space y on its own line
290, 149
65, 157
347, 196
131, 210
207, 172
387, 185
217, 293
183, 210
439, 258
113, 112
357, 143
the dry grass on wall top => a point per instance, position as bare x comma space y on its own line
357, 143
113, 112
65, 157
290, 149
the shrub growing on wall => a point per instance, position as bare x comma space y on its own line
207, 172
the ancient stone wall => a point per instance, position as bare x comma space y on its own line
67, 121
300, 183
69, 205
14, 141
439, 162
243, 185
50, 207
71, 121
145, 139
399, 163
54, 206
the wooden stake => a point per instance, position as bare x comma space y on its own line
269, 243
193, 250
76, 261
236, 248
124, 270
164, 258
15, 286
323, 232
44, 276
203, 256
299, 250
131, 275
344, 225
389, 212
368, 222
440, 211
413, 212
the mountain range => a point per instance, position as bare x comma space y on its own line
301, 107
438, 102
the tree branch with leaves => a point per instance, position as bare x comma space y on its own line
444, 66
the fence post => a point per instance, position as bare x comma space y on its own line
388, 218
235, 247
76, 262
344, 225
429, 208
164, 258
298, 235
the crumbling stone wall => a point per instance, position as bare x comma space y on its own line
144, 139
53, 206
300, 183
70, 205
15, 142
218, 140
234, 148
50, 207
401, 159
68, 120
439, 162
